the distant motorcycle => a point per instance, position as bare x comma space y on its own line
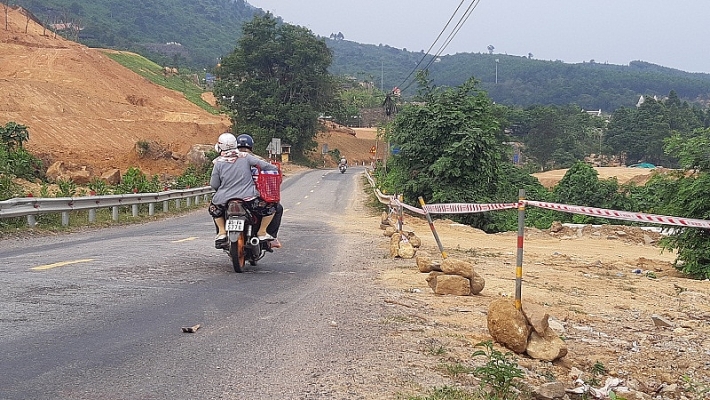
242, 243
342, 168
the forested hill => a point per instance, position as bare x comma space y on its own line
521, 80
194, 33
197, 33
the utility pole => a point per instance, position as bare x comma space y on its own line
496, 71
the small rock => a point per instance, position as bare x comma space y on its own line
550, 391
659, 321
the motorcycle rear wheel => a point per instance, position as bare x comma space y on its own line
237, 254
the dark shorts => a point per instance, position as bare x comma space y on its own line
257, 206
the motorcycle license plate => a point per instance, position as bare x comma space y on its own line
235, 225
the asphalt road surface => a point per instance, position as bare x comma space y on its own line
97, 314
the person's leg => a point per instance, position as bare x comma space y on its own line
265, 221
217, 213
273, 228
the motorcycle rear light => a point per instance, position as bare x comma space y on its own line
235, 208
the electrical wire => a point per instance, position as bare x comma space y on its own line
450, 37
434, 43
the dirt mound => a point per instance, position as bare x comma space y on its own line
82, 107
623, 174
355, 145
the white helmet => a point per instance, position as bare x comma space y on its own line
226, 141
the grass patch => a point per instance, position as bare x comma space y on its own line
154, 73
448, 393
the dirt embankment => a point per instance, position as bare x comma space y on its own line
84, 108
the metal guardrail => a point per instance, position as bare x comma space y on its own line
32, 206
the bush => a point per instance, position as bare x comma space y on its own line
135, 181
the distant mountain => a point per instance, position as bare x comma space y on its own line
197, 33
522, 81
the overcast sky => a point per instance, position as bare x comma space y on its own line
671, 33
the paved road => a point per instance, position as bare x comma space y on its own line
98, 314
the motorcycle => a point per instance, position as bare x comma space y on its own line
342, 168
242, 244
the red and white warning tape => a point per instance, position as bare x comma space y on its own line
623, 215
464, 208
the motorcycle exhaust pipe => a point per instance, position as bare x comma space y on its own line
254, 243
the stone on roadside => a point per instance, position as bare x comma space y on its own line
394, 245
661, 322
432, 278
424, 262
452, 284
414, 240
389, 231
546, 347
453, 266
112, 176
556, 227
477, 283
406, 250
550, 391
537, 317
507, 325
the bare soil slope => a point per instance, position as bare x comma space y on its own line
82, 107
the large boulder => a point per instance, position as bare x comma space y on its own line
507, 325
65, 171
453, 266
452, 284
112, 176
198, 154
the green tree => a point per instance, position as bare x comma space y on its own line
275, 84
690, 200
449, 148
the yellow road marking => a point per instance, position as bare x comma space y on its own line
59, 264
184, 240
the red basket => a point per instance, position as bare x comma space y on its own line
268, 183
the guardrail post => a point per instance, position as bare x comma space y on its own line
65, 218
31, 221
114, 213
188, 201
151, 209
134, 210
177, 204
519, 258
165, 206
92, 215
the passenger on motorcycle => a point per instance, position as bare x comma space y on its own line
232, 178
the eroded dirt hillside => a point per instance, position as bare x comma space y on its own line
82, 107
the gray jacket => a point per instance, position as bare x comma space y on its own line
232, 176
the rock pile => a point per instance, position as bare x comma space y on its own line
525, 331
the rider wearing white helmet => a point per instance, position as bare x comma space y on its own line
232, 178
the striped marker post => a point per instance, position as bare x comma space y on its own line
519, 261
433, 230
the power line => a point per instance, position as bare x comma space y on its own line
436, 40
450, 37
